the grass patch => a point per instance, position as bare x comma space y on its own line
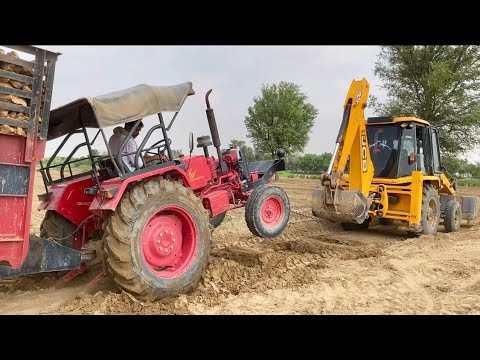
468, 182
292, 175
288, 174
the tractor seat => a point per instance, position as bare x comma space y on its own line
107, 168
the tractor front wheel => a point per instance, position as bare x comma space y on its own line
267, 211
157, 242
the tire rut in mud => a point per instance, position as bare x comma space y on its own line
293, 259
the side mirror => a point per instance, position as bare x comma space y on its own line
190, 142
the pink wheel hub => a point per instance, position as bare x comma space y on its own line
169, 241
272, 211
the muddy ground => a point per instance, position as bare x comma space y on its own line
314, 267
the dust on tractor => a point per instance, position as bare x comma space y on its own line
150, 228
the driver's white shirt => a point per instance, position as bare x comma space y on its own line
119, 134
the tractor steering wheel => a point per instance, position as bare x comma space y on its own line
158, 147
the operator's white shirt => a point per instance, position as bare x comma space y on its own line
119, 134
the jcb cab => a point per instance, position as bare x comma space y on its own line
389, 168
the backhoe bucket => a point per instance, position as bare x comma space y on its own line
349, 206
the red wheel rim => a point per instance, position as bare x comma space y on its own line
169, 242
272, 211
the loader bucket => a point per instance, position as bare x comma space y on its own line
348, 206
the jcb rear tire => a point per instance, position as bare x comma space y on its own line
267, 211
217, 220
453, 216
430, 210
57, 227
157, 242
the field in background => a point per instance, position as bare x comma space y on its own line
472, 182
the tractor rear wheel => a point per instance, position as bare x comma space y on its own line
57, 227
267, 211
217, 220
430, 210
453, 216
157, 242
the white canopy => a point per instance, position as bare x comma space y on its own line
117, 107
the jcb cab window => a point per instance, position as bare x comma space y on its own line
383, 141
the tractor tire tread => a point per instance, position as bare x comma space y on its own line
118, 236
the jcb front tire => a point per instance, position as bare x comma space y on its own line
157, 242
267, 211
430, 210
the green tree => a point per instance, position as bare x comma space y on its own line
323, 162
292, 162
440, 84
314, 163
176, 153
280, 117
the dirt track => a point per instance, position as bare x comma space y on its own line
313, 268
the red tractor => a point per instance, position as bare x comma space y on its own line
150, 227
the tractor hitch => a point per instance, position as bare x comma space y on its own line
44, 255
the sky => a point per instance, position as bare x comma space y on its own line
236, 75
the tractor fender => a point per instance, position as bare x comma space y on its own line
68, 199
111, 191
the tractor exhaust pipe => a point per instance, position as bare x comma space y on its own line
212, 123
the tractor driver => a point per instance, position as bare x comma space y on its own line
116, 140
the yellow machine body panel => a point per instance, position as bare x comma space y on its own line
387, 168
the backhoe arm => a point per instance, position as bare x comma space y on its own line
333, 201
352, 142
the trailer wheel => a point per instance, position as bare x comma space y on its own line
157, 242
217, 220
267, 211
57, 227
430, 210
453, 216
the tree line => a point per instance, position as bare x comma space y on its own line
437, 83
461, 168
296, 163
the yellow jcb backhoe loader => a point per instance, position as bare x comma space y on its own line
389, 168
